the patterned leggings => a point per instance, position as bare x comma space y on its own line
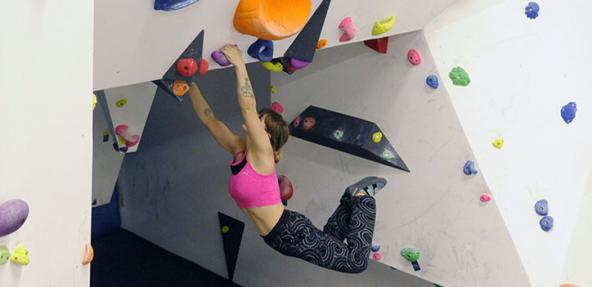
353, 221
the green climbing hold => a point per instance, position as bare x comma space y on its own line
459, 77
121, 103
387, 154
4, 254
338, 134
225, 229
411, 254
274, 89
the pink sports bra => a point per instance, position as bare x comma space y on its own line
249, 189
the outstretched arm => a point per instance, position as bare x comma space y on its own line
223, 135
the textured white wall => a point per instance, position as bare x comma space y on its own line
148, 41
45, 152
523, 71
436, 207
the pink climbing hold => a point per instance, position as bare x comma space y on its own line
414, 57
123, 131
485, 197
377, 256
277, 107
348, 29
296, 121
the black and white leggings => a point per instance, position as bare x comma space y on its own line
343, 245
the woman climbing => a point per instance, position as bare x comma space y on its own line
254, 186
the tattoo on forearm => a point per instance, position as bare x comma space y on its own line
208, 112
247, 89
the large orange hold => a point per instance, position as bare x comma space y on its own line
271, 19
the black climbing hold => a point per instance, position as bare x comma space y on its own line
194, 51
231, 240
355, 135
305, 45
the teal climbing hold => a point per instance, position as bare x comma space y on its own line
459, 77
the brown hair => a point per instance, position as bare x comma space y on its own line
277, 127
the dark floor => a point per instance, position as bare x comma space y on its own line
123, 259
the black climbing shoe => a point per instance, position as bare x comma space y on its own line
370, 185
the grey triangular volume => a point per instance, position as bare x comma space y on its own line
305, 45
232, 234
347, 134
195, 51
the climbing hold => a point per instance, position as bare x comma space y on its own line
375, 247
186, 67
170, 5
274, 89
568, 112
377, 256
105, 135
122, 130
532, 10
546, 223
277, 107
180, 88
414, 57
220, 58
485, 197
568, 285
203, 67
383, 26
298, 64
321, 43
376, 137
271, 19
348, 29
262, 50
379, 45
498, 143
120, 149
411, 255
338, 134
432, 81
94, 101
121, 103
286, 187
20, 255
275, 67
89, 254
4, 254
469, 168
309, 123
225, 229
13, 214
387, 154
296, 121
541, 207
459, 77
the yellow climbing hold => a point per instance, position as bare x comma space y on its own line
94, 101
376, 137
383, 26
273, 67
20, 255
274, 89
498, 143
121, 141
225, 229
121, 103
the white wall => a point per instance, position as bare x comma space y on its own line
45, 152
523, 71
147, 41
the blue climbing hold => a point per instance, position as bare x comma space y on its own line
432, 81
469, 168
262, 50
546, 223
170, 5
532, 10
541, 207
568, 112
375, 247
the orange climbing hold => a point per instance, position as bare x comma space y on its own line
88, 256
321, 43
271, 19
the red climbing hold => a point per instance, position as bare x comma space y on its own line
309, 123
203, 67
296, 121
286, 187
378, 45
186, 67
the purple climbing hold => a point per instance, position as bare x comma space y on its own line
262, 50
546, 223
220, 58
298, 64
568, 112
13, 215
432, 81
541, 207
469, 168
532, 10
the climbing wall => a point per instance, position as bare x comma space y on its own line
523, 71
148, 41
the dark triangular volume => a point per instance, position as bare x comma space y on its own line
194, 51
379, 45
347, 134
167, 86
305, 45
232, 234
